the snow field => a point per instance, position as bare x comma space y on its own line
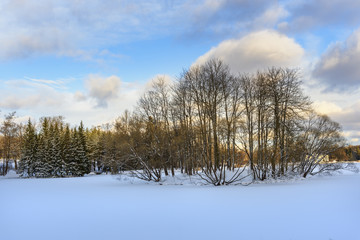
106, 207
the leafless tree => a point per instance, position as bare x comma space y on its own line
215, 97
10, 142
319, 137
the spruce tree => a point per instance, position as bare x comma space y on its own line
66, 152
43, 161
82, 151
40, 166
74, 163
29, 149
54, 152
56, 161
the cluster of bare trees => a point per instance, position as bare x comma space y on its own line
222, 126
347, 153
214, 123
282, 133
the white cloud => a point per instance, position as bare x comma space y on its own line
16, 102
257, 51
28, 93
338, 68
79, 96
101, 101
213, 5
59, 83
270, 17
103, 89
23, 43
41, 98
325, 107
168, 80
348, 116
343, 108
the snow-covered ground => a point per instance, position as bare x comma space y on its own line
106, 207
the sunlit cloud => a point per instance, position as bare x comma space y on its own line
325, 107
257, 51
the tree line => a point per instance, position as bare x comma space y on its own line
347, 153
210, 122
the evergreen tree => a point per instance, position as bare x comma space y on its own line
66, 151
82, 151
91, 148
54, 152
29, 149
75, 162
43, 160
56, 161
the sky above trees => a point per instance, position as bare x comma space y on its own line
91, 60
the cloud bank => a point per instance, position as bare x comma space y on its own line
83, 28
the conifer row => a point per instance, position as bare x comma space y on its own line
54, 151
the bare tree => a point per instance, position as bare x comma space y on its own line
319, 137
151, 148
144, 155
10, 144
183, 123
215, 95
288, 103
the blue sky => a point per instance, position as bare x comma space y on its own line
91, 60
